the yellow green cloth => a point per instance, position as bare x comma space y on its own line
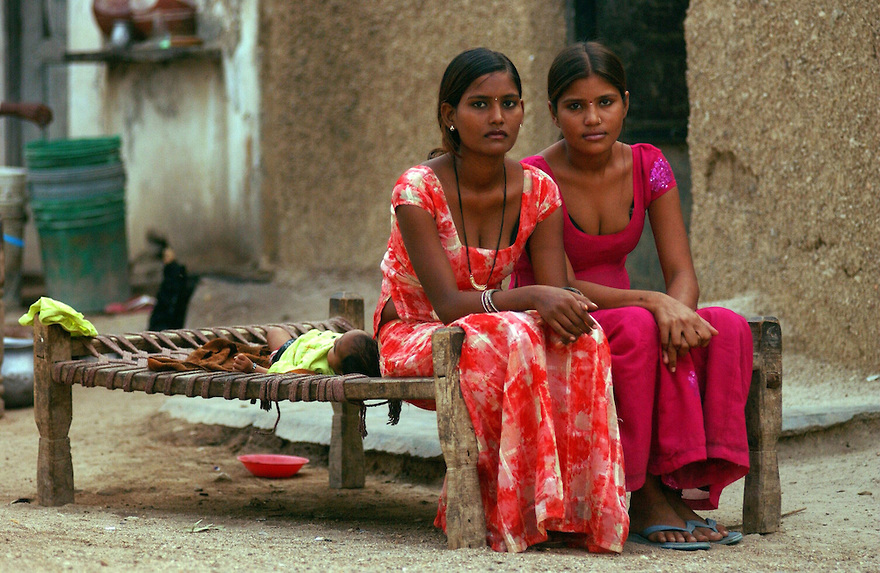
51, 311
307, 352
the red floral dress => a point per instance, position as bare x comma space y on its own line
543, 412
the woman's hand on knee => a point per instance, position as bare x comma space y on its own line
567, 312
681, 329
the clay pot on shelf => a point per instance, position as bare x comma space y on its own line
108, 12
153, 18
148, 5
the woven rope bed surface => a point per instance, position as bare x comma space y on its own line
114, 362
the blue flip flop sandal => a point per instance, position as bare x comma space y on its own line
733, 537
642, 537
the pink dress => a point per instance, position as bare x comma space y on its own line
689, 426
542, 410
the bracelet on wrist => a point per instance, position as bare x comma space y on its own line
572, 289
487, 302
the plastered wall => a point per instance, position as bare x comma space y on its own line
785, 155
349, 99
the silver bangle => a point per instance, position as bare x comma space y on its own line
253, 366
572, 289
487, 302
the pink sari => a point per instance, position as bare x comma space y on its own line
687, 427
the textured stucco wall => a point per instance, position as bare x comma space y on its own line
785, 151
349, 96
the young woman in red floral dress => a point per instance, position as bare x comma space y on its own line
535, 368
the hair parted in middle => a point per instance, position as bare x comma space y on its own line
580, 61
459, 75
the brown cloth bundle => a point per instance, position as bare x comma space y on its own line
215, 355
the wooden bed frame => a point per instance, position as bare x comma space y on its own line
120, 362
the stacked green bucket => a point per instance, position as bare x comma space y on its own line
77, 197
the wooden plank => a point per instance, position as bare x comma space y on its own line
390, 388
349, 306
762, 495
762, 499
355, 390
465, 520
53, 413
347, 463
144, 54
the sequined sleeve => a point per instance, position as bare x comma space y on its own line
661, 178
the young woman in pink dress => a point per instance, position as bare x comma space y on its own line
681, 374
535, 371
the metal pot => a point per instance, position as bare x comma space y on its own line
18, 372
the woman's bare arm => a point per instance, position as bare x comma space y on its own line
419, 231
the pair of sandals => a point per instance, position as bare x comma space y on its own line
732, 538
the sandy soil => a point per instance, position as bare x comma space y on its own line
158, 494
154, 493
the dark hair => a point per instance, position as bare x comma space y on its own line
364, 357
460, 74
583, 60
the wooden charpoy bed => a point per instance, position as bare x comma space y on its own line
119, 362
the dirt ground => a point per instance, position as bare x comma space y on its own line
155, 493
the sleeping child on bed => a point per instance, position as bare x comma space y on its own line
317, 351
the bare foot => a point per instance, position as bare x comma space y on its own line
649, 506
673, 498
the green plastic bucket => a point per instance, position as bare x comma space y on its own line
75, 182
85, 259
74, 209
48, 154
77, 196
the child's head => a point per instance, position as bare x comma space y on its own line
355, 352
580, 61
461, 72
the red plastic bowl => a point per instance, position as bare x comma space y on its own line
272, 465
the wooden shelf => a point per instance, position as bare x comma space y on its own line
149, 53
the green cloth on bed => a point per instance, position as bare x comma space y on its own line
51, 311
308, 352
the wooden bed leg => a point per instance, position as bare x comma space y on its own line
53, 413
346, 464
762, 498
465, 521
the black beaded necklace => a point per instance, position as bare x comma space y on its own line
474, 283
